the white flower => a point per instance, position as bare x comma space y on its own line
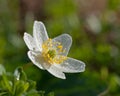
51, 54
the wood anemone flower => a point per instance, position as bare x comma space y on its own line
51, 54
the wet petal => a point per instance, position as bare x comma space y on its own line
66, 42
72, 66
56, 72
30, 41
39, 33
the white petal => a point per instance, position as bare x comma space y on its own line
34, 58
72, 66
56, 72
66, 42
39, 33
39, 62
30, 41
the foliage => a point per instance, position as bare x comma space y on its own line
17, 84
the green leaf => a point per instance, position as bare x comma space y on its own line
6, 84
20, 74
3, 93
26, 86
32, 85
20, 87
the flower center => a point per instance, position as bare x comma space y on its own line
51, 51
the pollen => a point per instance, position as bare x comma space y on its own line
51, 51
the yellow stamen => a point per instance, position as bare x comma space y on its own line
51, 52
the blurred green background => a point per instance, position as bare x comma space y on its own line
95, 28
